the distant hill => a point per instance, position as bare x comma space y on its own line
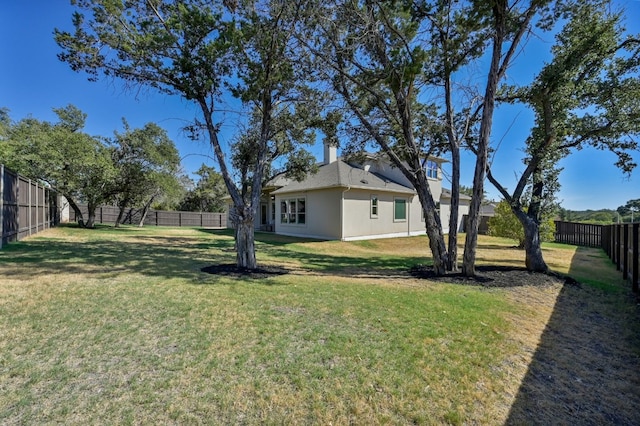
604, 216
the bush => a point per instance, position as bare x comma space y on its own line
505, 224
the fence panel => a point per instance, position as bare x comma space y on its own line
620, 243
26, 207
109, 214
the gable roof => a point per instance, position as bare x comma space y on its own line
446, 193
343, 175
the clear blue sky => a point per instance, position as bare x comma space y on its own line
33, 81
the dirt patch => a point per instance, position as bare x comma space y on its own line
494, 276
232, 270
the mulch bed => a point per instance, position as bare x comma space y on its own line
232, 270
493, 276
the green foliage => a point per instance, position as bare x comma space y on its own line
147, 162
505, 224
74, 163
604, 216
208, 193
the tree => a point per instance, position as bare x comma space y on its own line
199, 50
207, 194
631, 208
147, 162
376, 59
509, 23
77, 165
588, 95
507, 225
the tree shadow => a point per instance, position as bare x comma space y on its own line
171, 256
586, 367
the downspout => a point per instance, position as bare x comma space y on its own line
409, 216
342, 213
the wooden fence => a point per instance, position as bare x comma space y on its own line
619, 241
26, 207
109, 214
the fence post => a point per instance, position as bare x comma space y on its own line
618, 231
179, 219
625, 251
1, 204
635, 274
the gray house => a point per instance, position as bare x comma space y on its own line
347, 201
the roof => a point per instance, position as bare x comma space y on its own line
343, 175
446, 193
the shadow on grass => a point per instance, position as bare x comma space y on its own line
167, 256
586, 368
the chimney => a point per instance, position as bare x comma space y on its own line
330, 153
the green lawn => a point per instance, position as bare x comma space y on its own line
119, 326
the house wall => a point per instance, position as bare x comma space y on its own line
393, 173
322, 215
445, 211
359, 224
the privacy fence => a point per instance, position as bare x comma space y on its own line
619, 241
26, 207
109, 215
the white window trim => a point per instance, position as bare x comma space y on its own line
377, 214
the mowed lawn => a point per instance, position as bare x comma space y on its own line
120, 326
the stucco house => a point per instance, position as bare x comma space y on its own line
348, 201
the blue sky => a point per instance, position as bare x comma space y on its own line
33, 81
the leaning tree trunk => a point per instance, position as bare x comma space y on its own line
123, 207
76, 211
145, 210
434, 231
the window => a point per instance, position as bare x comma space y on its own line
432, 169
293, 211
374, 206
399, 209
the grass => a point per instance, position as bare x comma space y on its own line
120, 326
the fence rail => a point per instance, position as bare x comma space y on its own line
26, 207
619, 241
109, 214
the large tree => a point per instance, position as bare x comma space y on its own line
587, 95
509, 23
373, 57
147, 162
77, 165
203, 51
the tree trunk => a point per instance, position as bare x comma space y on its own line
434, 231
441, 260
145, 210
482, 154
76, 211
533, 257
120, 216
245, 244
91, 216
455, 203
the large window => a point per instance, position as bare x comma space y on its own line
432, 169
399, 209
374, 206
293, 210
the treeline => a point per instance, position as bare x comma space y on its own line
135, 168
630, 212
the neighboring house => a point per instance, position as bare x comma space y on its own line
345, 201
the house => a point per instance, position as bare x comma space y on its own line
348, 201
